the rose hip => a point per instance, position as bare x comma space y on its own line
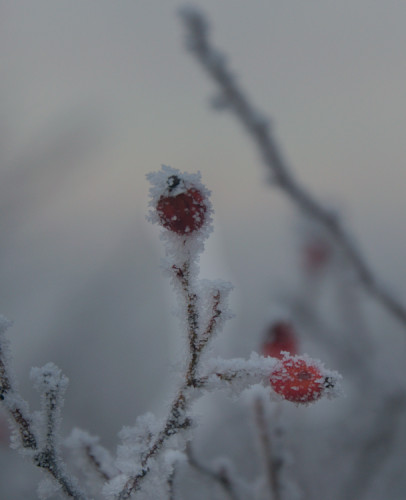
181, 213
297, 381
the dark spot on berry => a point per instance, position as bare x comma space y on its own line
172, 182
328, 383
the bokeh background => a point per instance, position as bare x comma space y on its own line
95, 94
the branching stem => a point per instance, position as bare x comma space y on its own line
47, 457
177, 419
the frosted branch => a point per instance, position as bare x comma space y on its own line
217, 307
52, 384
93, 457
221, 476
177, 419
234, 99
236, 374
171, 490
175, 422
16, 407
38, 435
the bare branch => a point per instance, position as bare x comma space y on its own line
233, 98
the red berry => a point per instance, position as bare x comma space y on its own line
297, 380
316, 255
280, 337
182, 213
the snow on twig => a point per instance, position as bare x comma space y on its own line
37, 435
220, 475
93, 458
52, 384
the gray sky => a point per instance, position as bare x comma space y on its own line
330, 74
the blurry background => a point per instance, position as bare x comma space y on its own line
95, 94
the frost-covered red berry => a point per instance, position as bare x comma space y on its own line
280, 337
298, 380
316, 255
184, 212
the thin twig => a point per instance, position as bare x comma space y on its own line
272, 463
221, 477
47, 457
52, 385
175, 422
171, 489
233, 99
212, 323
91, 457
183, 275
49, 460
21, 417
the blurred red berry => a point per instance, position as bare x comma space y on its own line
316, 255
280, 337
182, 213
297, 381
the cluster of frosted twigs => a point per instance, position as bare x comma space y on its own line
149, 451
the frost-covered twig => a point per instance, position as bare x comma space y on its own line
171, 483
52, 384
231, 97
37, 435
175, 422
221, 476
91, 456
96, 464
297, 371
16, 407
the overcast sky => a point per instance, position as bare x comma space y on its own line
110, 82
